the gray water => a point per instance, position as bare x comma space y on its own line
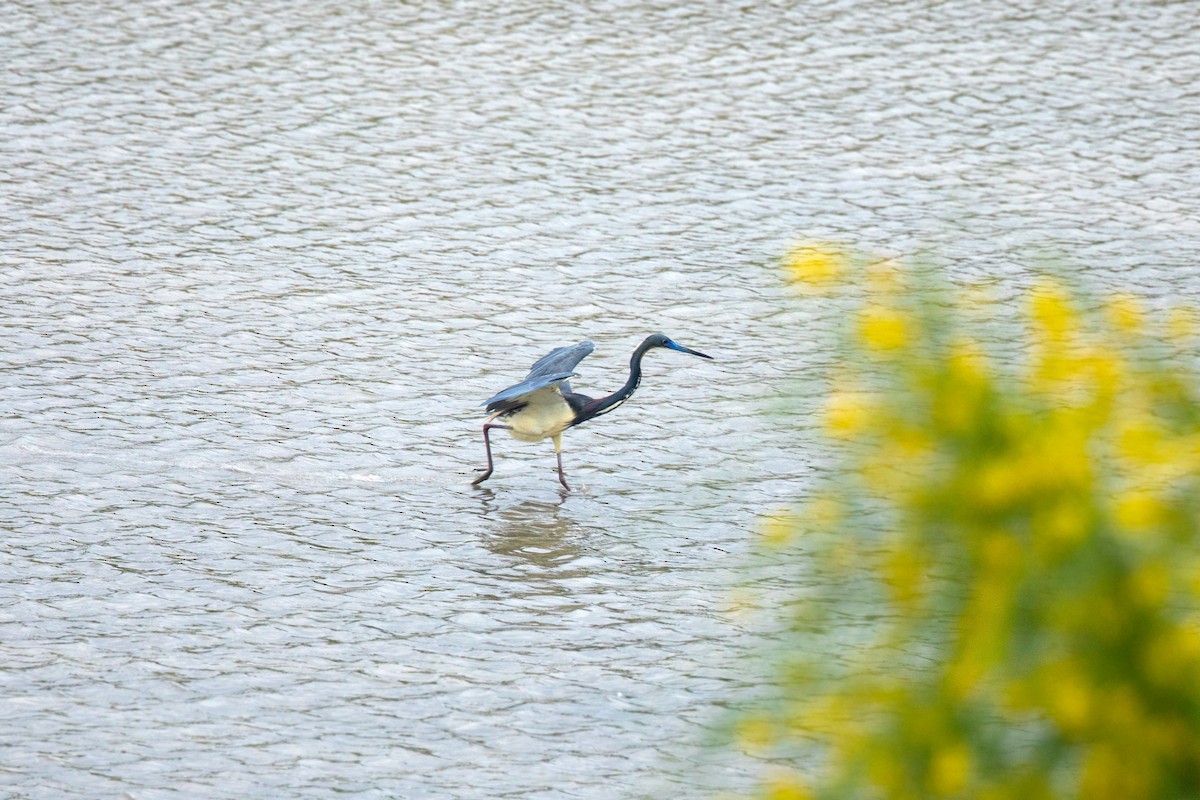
261, 262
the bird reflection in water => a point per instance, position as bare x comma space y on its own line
538, 534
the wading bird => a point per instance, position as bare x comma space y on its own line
543, 404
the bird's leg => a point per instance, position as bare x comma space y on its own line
558, 453
487, 446
561, 477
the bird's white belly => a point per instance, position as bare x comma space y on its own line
546, 413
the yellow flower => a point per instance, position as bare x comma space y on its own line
1061, 457
1140, 439
1149, 585
786, 786
824, 512
1000, 482
950, 769
999, 551
958, 397
1065, 523
1106, 369
1051, 309
1172, 658
779, 530
815, 264
1138, 511
968, 363
847, 413
1070, 701
883, 328
755, 734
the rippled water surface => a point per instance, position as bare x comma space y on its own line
261, 262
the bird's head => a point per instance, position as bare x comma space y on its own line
662, 340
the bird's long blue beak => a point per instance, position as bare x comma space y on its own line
688, 350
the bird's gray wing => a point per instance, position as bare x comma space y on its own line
561, 359
554, 367
511, 396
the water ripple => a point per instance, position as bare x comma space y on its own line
262, 261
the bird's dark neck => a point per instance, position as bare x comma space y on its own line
603, 405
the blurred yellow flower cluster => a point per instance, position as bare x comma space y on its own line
1025, 500
815, 266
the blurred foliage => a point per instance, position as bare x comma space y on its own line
1014, 528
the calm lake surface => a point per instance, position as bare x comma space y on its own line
262, 261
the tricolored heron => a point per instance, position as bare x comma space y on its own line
543, 404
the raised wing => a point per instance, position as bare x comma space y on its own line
553, 368
561, 359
